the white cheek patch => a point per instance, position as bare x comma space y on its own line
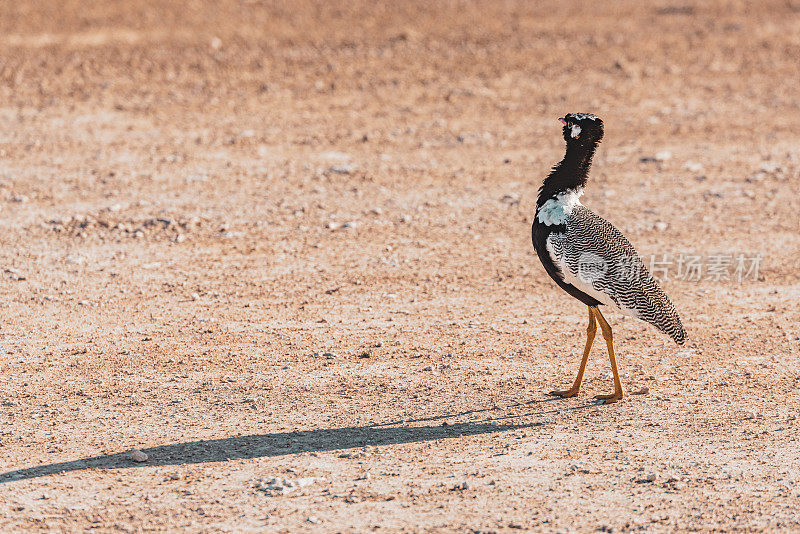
576, 131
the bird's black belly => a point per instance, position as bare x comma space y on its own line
539, 234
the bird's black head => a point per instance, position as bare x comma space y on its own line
582, 128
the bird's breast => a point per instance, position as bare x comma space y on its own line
556, 211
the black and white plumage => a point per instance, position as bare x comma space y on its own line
585, 254
599, 261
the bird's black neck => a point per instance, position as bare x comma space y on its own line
570, 173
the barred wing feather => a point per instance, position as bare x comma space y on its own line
596, 258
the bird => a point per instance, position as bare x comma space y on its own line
588, 257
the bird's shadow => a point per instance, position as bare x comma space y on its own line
285, 443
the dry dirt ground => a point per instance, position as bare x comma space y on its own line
283, 249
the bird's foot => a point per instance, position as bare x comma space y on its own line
572, 392
609, 399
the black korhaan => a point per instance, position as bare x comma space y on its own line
589, 258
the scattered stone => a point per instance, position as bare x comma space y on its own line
313, 520
769, 167
14, 274
461, 487
693, 166
661, 226
352, 498
510, 198
674, 483
661, 156
649, 479
283, 486
351, 224
427, 368
332, 225
139, 456
643, 391
344, 168
19, 198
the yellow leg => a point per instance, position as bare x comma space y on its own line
606, 328
576, 386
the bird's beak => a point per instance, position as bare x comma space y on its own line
563, 121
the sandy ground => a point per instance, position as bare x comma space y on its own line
284, 250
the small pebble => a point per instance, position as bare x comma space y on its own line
346, 168
693, 166
15, 274
138, 456
510, 199
649, 478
